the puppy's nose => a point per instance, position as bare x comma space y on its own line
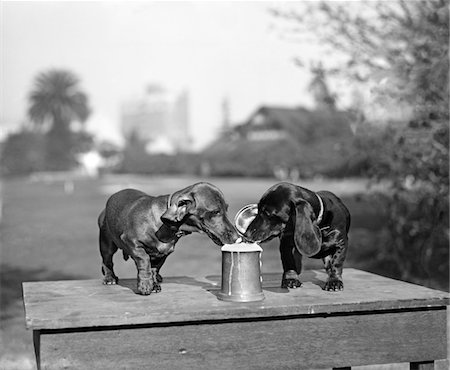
248, 236
248, 233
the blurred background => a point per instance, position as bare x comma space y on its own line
350, 97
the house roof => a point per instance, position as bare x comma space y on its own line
304, 124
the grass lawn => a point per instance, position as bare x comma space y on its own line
47, 234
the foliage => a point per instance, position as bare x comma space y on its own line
397, 39
26, 151
56, 97
414, 244
22, 153
404, 46
55, 103
159, 164
238, 157
135, 159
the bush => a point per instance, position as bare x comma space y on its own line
144, 163
414, 243
22, 153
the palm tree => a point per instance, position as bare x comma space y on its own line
56, 97
55, 102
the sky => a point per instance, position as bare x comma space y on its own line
214, 50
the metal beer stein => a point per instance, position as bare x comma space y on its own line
241, 273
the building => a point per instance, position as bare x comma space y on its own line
280, 123
160, 118
297, 140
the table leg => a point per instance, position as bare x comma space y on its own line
37, 347
423, 365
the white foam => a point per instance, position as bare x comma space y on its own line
241, 247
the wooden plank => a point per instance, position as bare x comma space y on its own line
86, 303
306, 343
442, 364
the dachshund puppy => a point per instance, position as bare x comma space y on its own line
308, 224
146, 228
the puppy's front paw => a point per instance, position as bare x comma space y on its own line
334, 284
290, 280
159, 278
156, 288
145, 287
110, 279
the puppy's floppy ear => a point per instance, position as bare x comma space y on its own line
307, 235
180, 207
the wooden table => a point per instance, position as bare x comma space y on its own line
83, 324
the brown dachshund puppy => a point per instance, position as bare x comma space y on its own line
308, 224
147, 228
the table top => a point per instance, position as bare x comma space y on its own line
88, 303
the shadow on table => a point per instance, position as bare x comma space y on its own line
182, 280
212, 283
272, 281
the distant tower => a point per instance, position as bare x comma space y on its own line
323, 98
225, 114
180, 115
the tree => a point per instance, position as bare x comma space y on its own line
403, 43
22, 153
403, 46
55, 102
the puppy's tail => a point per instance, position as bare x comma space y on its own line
125, 255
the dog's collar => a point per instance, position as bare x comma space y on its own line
320, 216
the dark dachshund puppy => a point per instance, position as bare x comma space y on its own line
308, 224
147, 228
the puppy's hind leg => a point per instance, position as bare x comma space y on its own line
107, 250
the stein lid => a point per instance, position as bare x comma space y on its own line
245, 216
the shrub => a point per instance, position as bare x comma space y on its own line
22, 153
